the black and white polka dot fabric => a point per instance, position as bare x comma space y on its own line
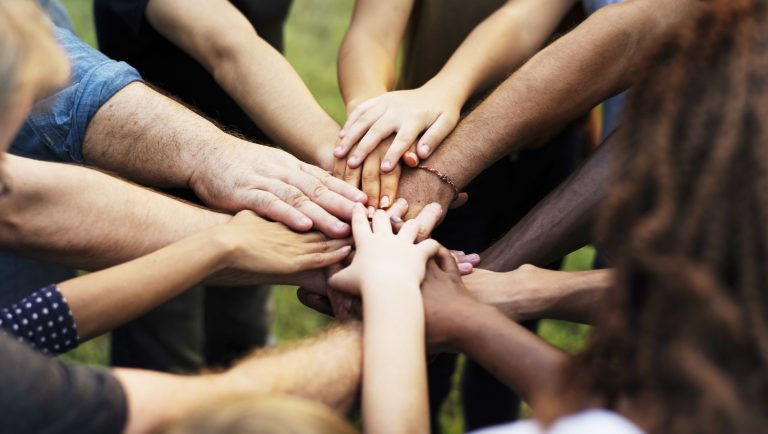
42, 320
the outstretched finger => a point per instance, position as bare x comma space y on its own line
427, 220
376, 134
435, 135
360, 225
355, 127
410, 158
398, 210
372, 179
409, 230
381, 223
404, 139
268, 205
313, 261
389, 184
333, 183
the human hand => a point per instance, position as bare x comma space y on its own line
447, 302
420, 188
255, 245
429, 110
278, 186
380, 187
382, 255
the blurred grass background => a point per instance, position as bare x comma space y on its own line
313, 34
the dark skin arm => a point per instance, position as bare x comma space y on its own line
456, 320
540, 98
562, 221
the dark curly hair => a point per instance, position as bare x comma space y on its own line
685, 333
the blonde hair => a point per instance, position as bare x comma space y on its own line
29, 53
262, 415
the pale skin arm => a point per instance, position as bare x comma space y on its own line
386, 271
539, 99
101, 221
147, 137
256, 75
106, 299
325, 369
502, 42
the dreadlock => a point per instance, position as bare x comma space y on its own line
687, 328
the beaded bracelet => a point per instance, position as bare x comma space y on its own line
443, 177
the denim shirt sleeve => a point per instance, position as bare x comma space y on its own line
55, 130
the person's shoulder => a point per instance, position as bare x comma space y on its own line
589, 421
597, 421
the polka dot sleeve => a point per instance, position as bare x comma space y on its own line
42, 320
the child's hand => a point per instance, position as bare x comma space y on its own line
382, 256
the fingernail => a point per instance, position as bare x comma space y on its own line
340, 226
436, 206
386, 165
396, 219
342, 133
338, 149
424, 149
362, 198
304, 221
459, 252
371, 210
353, 160
472, 257
384, 202
346, 249
465, 266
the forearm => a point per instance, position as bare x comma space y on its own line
394, 360
88, 220
267, 87
511, 353
149, 138
531, 293
368, 53
501, 43
538, 99
562, 222
106, 299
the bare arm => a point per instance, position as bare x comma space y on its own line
369, 50
105, 299
147, 137
540, 98
530, 293
256, 75
325, 369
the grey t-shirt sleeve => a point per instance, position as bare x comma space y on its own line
43, 395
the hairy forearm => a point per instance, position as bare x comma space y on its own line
539, 99
511, 353
86, 219
562, 222
147, 137
325, 369
394, 360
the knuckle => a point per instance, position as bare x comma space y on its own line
296, 199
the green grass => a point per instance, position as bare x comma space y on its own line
313, 35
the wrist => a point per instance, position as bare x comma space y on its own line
447, 88
468, 323
429, 187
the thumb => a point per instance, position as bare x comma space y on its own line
446, 262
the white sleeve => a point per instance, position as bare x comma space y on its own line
589, 421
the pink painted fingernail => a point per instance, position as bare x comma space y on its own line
384, 202
464, 267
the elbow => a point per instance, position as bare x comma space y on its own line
228, 48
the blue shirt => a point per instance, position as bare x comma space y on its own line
56, 128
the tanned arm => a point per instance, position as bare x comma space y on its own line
250, 70
540, 97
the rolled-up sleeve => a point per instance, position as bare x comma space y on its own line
55, 130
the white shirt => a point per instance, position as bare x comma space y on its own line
589, 421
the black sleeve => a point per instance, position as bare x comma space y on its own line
42, 395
